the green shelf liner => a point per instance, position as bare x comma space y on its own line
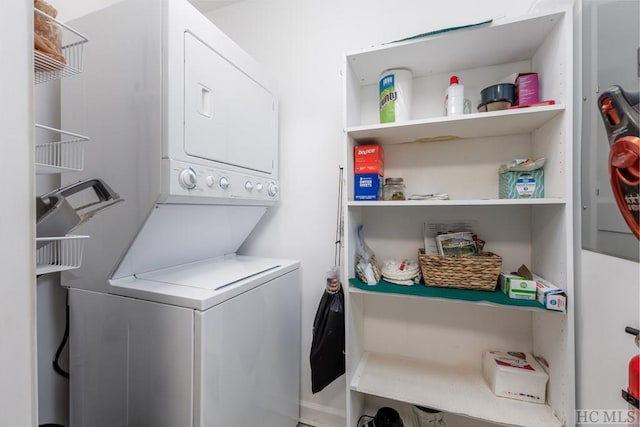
420, 290
443, 30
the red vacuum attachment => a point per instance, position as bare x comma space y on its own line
619, 110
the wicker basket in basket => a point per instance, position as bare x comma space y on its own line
477, 273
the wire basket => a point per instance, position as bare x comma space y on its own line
59, 253
474, 272
58, 151
47, 67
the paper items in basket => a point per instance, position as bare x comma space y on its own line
433, 228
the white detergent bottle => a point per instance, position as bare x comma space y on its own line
454, 99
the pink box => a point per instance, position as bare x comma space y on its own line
527, 89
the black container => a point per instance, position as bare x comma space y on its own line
387, 417
498, 92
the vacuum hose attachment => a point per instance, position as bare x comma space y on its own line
619, 111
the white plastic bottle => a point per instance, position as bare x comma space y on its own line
454, 99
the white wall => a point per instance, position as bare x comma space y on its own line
607, 301
18, 390
53, 389
302, 43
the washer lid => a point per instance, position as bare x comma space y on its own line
211, 274
203, 284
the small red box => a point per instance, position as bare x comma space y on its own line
368, 158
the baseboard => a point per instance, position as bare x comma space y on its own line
321, 416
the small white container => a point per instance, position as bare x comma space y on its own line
394, 90
454, 98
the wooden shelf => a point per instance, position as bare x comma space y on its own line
476, 125
451, 389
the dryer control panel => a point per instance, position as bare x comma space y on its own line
191, 183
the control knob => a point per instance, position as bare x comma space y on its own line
224, 182
187, 178
248, 186
273, 190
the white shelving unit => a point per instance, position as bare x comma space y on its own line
56, 150
417, 347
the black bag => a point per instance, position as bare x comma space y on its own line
327, 347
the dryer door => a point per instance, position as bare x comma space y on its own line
229, 117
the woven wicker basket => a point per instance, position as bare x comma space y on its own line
477, 273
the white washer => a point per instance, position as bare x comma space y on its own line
189, 346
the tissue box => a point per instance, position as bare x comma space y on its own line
515, 375
517, 287
549, 295
368, 186
521, 184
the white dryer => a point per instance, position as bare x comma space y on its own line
169, 325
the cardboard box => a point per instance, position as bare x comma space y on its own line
368, 153
515, 375
376, 167
517, 287
368, 186
527, 89
521, 184
368, 159
549, 295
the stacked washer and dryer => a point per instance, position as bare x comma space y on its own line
168, 325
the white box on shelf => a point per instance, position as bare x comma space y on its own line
549, 295
517, 287
515, 375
